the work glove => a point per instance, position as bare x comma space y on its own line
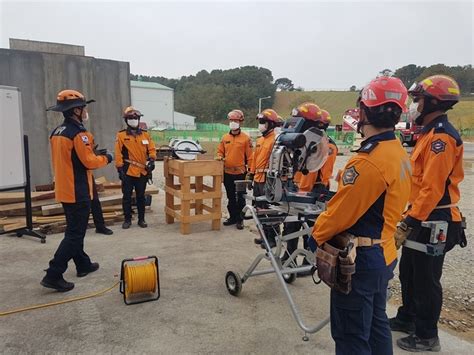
110, 157
407, 227
104, 152
121, 173
98, 151
219, 158
249, 176
150, 165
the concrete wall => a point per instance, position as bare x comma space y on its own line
155, 104
48, 47
40, 76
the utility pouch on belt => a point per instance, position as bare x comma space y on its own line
335, 262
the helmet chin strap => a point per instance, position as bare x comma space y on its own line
360, 124
80, 115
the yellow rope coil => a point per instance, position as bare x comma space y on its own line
140, 278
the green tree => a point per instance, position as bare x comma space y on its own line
284, 84
409, 73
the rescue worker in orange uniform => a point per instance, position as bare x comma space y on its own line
372, 194
235, 149
73, 159
135, 160
437, 163
268, 120
318, 181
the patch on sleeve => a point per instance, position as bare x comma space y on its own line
349, 176
438, 146
85, 139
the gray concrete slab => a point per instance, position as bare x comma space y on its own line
195, 314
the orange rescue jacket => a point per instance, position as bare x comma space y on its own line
437, 164
236, 150
323, 175
261, 156
372, 195
73, 159
136, 147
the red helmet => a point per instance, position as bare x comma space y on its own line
235, 115
325, 117
131, 112
68, 99
308, 110
269, 115
440, 87
383, 90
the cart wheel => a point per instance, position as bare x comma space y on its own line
289, 278
19, 234
233, 283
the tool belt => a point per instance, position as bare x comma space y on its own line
335, 260
135, 163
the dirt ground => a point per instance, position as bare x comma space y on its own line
457, 280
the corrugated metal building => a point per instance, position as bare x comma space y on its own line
156, 102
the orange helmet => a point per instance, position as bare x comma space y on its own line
383, 90
68, 99
307, 110
235, 115
269, 115
440, 87
131, 112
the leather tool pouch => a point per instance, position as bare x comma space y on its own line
335, 262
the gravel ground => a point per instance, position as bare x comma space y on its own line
458, 280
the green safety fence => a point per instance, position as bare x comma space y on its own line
163, 137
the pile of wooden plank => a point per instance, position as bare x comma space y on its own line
48, 215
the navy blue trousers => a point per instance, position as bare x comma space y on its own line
359, 323
72, 246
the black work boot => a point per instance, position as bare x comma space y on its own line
59, 285
398, 325
93, 267
240, 225
142, 223
271, 242
414, 344
104, 230
126, 224
229, 222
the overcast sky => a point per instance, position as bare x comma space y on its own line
332, 44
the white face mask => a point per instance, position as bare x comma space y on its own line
85, 118
132, 123
262, 127
234, 125
413, 113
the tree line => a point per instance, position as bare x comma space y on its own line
210, 95
411, 73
